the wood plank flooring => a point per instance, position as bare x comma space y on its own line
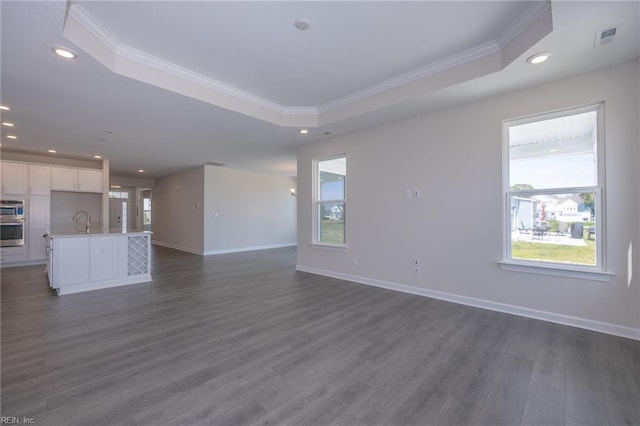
244, 339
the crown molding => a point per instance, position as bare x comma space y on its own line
90, 24
186, 74
284, 116
411, 76
86, 32
535, 11
92, 37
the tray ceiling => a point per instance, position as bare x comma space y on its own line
250, 58
167, 85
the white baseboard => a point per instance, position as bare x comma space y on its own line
232, 250
134, 279
176, 247
616, 330
241, 249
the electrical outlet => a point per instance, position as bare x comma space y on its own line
416, 193
407, 193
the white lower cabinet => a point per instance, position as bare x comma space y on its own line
103, 257
70, 261
93, 261
10, 255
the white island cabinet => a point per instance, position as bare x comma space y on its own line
83, 262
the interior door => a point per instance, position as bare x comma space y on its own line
118, 214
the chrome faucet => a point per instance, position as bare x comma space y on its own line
76, 217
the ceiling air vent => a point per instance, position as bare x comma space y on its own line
606, 36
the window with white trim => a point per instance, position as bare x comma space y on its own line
554, 188
330, 201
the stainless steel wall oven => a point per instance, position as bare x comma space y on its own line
12, 213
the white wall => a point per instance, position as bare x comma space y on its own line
177, 211
131, 182
246, 210
208, 210
454, 157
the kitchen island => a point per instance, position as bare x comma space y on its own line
83, 262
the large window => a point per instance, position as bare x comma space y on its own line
554, 189
330, 200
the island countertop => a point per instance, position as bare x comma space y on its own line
94, 234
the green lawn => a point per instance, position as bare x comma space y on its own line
332, 231
585, 255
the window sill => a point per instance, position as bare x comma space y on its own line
556, 271
339, 247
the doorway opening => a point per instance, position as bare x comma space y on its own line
119, 210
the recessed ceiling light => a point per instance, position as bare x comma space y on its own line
7, 124
303, 131
53, 151
97, 156
302, 24
4, 108
140, 171
553, 150
64, 52
538, 58
12, 137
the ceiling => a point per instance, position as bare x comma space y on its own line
166, 85
554, 137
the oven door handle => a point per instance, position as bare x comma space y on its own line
12, 223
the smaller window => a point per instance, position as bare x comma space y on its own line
330, 201
118, 194
146, 209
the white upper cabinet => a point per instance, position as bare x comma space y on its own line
64, 179
90, 180
14, 179
39, 180
76, 180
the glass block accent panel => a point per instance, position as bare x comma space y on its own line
138, 261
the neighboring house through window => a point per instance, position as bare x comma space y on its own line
330, 201
554, 189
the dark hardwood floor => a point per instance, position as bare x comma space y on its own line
245, 339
